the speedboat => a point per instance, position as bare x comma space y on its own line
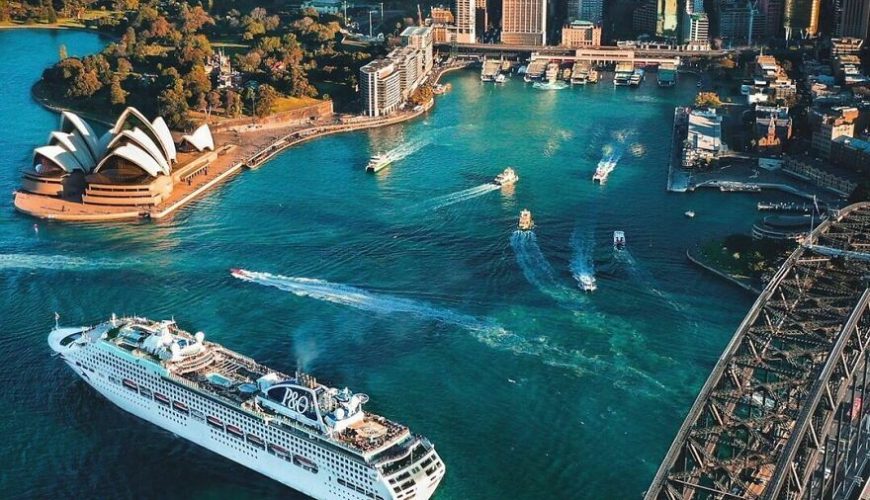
690, 214
587, 282
526, 223
603, 170
507, 177
377, 162
619, 240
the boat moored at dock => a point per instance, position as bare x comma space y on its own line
507, 177
636, 77
377, 162
526, 223
313, 438
622, 75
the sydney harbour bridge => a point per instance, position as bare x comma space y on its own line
786, 411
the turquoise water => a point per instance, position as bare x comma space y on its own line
409, 285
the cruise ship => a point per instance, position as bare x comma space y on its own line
377, 162
507, 177
603, 170
313, 438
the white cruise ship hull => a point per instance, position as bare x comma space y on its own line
109, 377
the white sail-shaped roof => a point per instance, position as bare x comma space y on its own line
165, 137
143, 140
74, 144
59, 156
70, 122
136, 155
132, 118
201, 139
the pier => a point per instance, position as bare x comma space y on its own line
784, 414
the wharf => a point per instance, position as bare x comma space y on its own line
678, 179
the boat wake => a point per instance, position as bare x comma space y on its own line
359, 298
406, 149
537, 269
484, 330
582, 265
640, 275
55, 262
460, 196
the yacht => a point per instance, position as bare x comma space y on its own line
619, 240
377, 162
507, 177
526, 223
311, 437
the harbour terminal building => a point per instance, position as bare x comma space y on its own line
385, 84
135, 165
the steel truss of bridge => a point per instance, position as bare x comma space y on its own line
785, 412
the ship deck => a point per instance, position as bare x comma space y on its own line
232, 377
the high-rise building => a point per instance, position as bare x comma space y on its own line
380, 87
465, 24
854, 19
586, 10
385, 83
741, 23
581, 34
524, 22
481, 17
772, 11
696, 27
658, 18
801, 18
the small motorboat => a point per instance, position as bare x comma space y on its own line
587, 283
690, 214
619, 241
526, 223
508, 176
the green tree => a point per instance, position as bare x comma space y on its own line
233, 104
117, 95
172, 105
707, 100
5, 15
214, 101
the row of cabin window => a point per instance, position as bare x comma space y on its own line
359, 489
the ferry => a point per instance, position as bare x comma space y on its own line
636, 77
623, 74
506, 178
313, 438
619, 240
552, 72
526, 223
593, 76
587, 283
377, 162
603, 170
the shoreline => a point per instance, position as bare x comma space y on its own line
251, 156
727, 277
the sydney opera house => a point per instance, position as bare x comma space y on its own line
134, 165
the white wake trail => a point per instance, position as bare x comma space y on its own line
484, 330
581, 262
537, 269
460, 196
55, 262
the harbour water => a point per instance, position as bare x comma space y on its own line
410, 285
